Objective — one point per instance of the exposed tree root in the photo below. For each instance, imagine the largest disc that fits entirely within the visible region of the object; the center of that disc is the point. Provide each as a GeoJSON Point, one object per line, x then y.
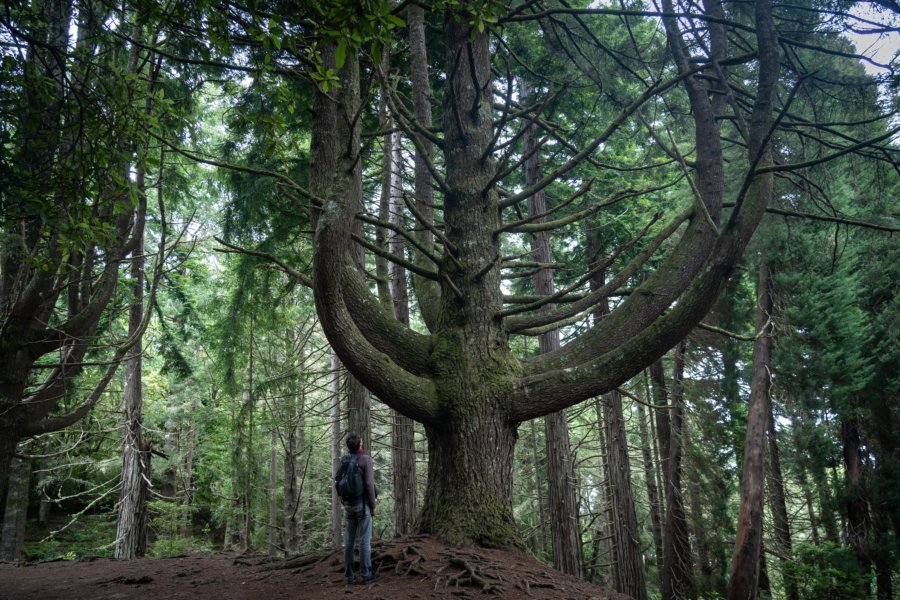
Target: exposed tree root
{"type": "Point", "coordinates": [451, 572]}
{"type": "Point", "coordinates": [299, 562]}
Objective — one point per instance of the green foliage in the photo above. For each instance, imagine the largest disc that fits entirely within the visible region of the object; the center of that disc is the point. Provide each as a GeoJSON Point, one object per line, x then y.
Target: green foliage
{"type": "Point", "coordinates": [169, 523]}
{"type": "Point", "coordinates": [89, 536]}
{"type": "Point", "coordinates": [826, 572]}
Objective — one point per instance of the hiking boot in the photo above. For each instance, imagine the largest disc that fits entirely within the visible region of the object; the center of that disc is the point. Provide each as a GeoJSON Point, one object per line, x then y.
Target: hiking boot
{"type": "Point", "coordinates": [371, 578]}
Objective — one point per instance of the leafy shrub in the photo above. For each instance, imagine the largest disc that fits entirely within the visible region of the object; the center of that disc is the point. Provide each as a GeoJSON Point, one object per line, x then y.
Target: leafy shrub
{"type": "Point", "coordinates": [827, 572]}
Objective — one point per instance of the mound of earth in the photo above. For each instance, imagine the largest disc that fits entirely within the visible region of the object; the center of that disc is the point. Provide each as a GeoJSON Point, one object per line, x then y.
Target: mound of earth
{"type": "Point", "coordinates": [410, 568]}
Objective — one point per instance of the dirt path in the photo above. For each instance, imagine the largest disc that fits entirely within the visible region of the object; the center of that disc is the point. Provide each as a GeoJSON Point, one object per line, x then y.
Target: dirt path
{"type": "Point", "coordinates": [411, 568]}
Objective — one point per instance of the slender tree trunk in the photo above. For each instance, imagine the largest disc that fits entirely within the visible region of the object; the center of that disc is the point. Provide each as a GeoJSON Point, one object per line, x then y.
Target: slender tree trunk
{"type": "Point", "coordinates": [663, 421]}
{"type": "Point", "coordinates": [629, 573]}
{"type": "Point", "coordinates": [272, 492]}
{"type": "Point", "coordinates": [654, 441]}
{"type": "Point", "coordinates": [706, 581]}
{"type": "Point", "coordinates": [677, 576]}
{"type": "Point", "coordinates": [744, 579]}
{"type": "Point", "coordinates": [652, 492]}
{"type": "Point", "coordinates": [858, 519]}
{"type": "Point", "coordinates": [131, 527]}
{"type": "Point", "coordinates": [779, 507]}
{"type": "Point", "coordinates": [810, 511]}
{"type": "Point", "coordinates": [44, 505]}
{"type": "Point", "coordinates": [15, 511]}
{"type": "Point", "coordinates": [187, 480]}
{"type": "Point", "coordinates": [540, 543]}
{"type": "Point", "coordinates": [403, 452]}
{"type": "Point", "coordinates": [293, 471]}
{"type": "Point", "coordinates": [565, 528]}
{"type": "Point", "coordinates": [336, 440]}
{"type": "Point", "coordinates": [606, 518]}
{"type": "Point", "coordinates": [249, 474]}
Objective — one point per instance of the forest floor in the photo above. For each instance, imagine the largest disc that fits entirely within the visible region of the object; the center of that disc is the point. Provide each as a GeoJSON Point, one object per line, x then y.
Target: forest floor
{"type": "Point", "coordinates": [410, 568]}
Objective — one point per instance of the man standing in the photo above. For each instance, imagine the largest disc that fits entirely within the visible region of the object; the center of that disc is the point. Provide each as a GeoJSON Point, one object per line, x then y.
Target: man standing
{"type": "Point", "coordinates": [358, 510]}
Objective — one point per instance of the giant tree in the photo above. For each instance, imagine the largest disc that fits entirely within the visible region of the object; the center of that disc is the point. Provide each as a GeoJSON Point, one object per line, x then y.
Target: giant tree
{"type": "Point", "coordinates": [461, 379]}
{"type": "Point", "coordinates": [705, 94]}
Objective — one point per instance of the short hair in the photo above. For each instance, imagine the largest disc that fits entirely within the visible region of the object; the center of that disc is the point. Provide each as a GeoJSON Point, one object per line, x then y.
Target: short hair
{"type": "Point", "coordinates": [353, 442]}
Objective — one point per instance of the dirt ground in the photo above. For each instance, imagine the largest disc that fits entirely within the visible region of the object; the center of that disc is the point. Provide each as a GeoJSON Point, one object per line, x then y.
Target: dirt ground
{"type": "Point", "coordinates": [410, 568]}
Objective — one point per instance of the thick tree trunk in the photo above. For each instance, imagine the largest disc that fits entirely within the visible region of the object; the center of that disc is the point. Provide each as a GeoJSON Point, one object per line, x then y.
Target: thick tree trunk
{"type": "Point", "coordinates": [778, 507]}
{"type": "Point", "coordinates": [468, 497]}
{"type": "Point", "coordinates": [744, 578]}
{"type": "Point", "coordinates": [131, 528]}
{"type": "Point", "coordinates": [9, 439]}
{"type": "Point", "coordinates": [15, 511]}
{"type": "Point", "coordinates": [358, 411]}
{"type": "Point", "coordinates": [677, 576]}
{"type": "Point", "coordinates": [629, 573]}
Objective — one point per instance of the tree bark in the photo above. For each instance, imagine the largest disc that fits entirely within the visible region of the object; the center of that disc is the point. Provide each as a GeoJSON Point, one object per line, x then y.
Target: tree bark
{"type": "Point", "coordinates": [652, 492]}
{"type": "Point", "coordinates": [565, 527]}
{"type": "Point", "coordinates": [336, 453]}
{"type": "Point", "coordinates": [539, 538]}
{"type": "Point", "coordinates": [294, 471]}
{"type": "Point", "coordinates": [810, 511]}
{"type": "Point", "coordinates": [629, 575]}
{"type": "Point", "coordinates": [464, 472]}
{"type": "Point", "coordinates": [706, 581]}
{"type": "Point", "coordinates": [605, 520]}
{"type": "Point", "coordinates": [403, 452]}
{"type": "Point", "coordinates": [15, 511]}
{"type": "Point", "coordinates": [677, 575]}
{"type": "Point", "coordinates": [628, 569]}
{"type": "Point", "coordinates": [778, 507]}
{"type": "Point", "coordinates": [744, 578]}
{"type": "Point", "coordinates": [131, 527]}
{"type": "Point", "coordinates": [426, 291]}
{"type": "Point", "coordinates": [273, 545]}
{"type": "Point", "coordinates": [857, 505]}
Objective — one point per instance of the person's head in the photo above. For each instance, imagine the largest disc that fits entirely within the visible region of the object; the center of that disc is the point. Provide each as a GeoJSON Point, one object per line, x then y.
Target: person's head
{"type": "Point", "coordinates": [353, 442]}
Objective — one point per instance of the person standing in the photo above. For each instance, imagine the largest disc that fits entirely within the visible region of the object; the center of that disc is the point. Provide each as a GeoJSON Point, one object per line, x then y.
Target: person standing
{"type": "Point", "coordinates": [358, 512]}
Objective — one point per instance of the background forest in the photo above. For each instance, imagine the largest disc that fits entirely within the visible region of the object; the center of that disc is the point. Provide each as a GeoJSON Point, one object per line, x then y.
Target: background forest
{"type": "Point", "coordinates": [167, 384]}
